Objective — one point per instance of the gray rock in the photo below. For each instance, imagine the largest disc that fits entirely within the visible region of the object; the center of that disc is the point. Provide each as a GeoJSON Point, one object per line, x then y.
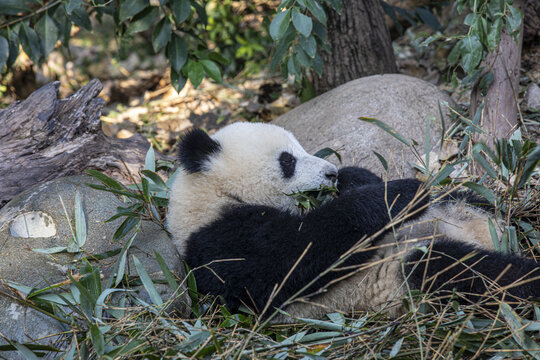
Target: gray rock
{"type": "Point", "coordinates": [37, 219]}
{"type": "Point", "coordinates": [532, 97]}
{"type": "Point", "coordinates": [403, 102]}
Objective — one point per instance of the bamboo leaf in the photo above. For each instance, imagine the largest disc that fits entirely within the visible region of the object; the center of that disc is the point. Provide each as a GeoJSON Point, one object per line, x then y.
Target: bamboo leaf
{"type": "Point", "coordinates": [107, 181]}
{"type": "Point", "coordinates": [381, 159]}
{"type": "Point", "coordinates": [150, 160]}
{"type": "Point", "coordinates": [481, 190]}
{"type": "Point", "coordinates": [171, 280]}
{"type": "Point", "coordinates": [80, 221]}
{"type": "Point", "coordinates": [326, 152]}
{"type": "Point", "coordinates": [386, 128]}
{"type": "Point", "coordinates": [147, 282]}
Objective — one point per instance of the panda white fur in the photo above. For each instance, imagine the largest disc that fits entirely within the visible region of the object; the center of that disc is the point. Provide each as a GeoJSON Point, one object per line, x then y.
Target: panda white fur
{"type": "Point", "coordinates": [236, 227]}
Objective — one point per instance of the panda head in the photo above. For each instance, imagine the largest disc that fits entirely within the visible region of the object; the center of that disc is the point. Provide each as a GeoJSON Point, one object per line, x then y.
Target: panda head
{"type": "Point", "coordinates": [243, 163]}
{"type": "Point", "coordinates": [255, 163]}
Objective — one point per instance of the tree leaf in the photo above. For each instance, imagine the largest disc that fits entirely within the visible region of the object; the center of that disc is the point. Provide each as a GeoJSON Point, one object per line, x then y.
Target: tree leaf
{"type": "Point", "coordinates": [472, 53]}
{"type": "Point", "coordinates": [178, 81]}
{"type": "Point", "coordinates": [428, 18]}
{"type": "Point", "coordinates": [48, 34]}
{"type": "Point", "coordinates": [454, 55]}
{"type": "Point", "coordinates": [309, 44]}
{"type": "Point", "coordinates": [316, 10]}
{"type": "Point", "coordinates": [279, 24]}
{"type": "Point", "coordinates": [13, 7]}
{"type": "Point", "coordinates": [63, 22]}
{"type": "Point", "coordinates": [195, 73]}
{"type": "Point", "coordinates": [513, 20]}
{"type": "Point", "coordinates": [281, 48]}
{"type": "Point", "coordinates": [212, 70]}
{"type": "Point", "coordinates": [301, 22]}
{"type": "Point", "coordinates": [177, 53]}
{"type": "Point", "coordinates": [30, 42]}
{"type": "Point", "coordinates": [143, 20]}
{"type": "Point", "coordinates": [304, 60]}
{"type": "Point", "coordinates": [129, 8]}
{"type": "Point", "coordinates": [318, 64]}
{"type": "Point", "coordinates": [162, 34]}
{"type": "Point", "coordinates": [181, 10]}
{"type": "Point", "coordinates": [496, 8]}
{"type": "Point", "coordinates": [79, 16]}
{"type": "Point", "coordinates": [72, 4]}
{"type": "Point", "coordinates": [4, 52]}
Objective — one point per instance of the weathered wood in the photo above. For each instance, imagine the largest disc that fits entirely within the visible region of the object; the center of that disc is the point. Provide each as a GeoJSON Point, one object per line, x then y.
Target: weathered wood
{"type": "Point", "coordinates": [43, 137]}
{"type": "Point", "coordinates": [360, 45]}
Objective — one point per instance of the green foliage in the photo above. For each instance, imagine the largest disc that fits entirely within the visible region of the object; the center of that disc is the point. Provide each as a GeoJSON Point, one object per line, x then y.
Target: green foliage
{"type": "Point", "coordinates": [414, 16]}
{"type": "Point", "coordinates": [485, 21]}
{"type": "Point", "coordinates": [199, 38]}
{"type": "Point", "coordinates": [299, 31]}
{"type": "Point", "coordinates": [178, 26]}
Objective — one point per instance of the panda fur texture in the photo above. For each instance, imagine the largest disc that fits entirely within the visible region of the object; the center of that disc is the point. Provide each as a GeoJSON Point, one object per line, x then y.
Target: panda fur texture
{"type": "Point", "coordinates": [236, 227]}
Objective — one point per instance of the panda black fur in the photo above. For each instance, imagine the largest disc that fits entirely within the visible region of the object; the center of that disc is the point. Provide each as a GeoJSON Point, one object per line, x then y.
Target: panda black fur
{"type": "Point", "coordinates": [235, 225]}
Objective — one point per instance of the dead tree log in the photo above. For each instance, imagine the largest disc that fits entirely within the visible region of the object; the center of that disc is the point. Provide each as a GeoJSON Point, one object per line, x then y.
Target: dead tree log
{"type": "Point", "coordinates": [43, 137]}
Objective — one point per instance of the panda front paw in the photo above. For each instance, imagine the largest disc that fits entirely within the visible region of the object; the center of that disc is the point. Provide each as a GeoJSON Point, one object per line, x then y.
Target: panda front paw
{"type": "Point", "coordinates": [351, 177]}
{"type": "Point", "coordinates": [407, 193]}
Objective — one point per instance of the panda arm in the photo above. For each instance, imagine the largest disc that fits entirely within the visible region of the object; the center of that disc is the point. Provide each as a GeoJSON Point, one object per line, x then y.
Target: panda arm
{"type": "Point", "coordinates": [457, 266]}
{"type": "Point", "coordinates": [351, 177]}
{"type": "Point", "coordinates": [257, 246]}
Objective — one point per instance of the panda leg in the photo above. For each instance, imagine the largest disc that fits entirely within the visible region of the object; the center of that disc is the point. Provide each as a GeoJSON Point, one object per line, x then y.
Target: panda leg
{"type": "Point", "coordinates": [476, 273]}
{"type": "Point", "coordinates": [456, 221]}
{"type": "Point", "coordinates": [377, 286]}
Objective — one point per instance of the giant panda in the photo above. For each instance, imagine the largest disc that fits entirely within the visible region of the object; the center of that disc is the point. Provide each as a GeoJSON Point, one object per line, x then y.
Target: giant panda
{"type": "Point", "coordinates": [234, 222]}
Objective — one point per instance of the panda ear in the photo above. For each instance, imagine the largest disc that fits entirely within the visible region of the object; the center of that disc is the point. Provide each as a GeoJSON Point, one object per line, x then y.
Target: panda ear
{"type": "Point", "coordinates": [195, 149]}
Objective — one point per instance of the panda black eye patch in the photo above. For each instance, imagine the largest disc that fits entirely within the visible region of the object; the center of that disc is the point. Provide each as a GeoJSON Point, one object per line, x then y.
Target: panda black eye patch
{"type": "Point", "coordinates": [288, 163]}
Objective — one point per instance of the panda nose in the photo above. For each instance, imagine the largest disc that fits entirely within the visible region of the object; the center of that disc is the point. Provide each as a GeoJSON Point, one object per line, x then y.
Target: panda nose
{"type": "Point", "coordinates": [331, 175]}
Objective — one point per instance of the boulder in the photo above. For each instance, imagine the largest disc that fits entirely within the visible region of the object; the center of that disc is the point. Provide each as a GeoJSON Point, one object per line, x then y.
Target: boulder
{"type": "Point", "coordinates": [405, 103]}
{"type": "Point", "coordinates": [36, 219]}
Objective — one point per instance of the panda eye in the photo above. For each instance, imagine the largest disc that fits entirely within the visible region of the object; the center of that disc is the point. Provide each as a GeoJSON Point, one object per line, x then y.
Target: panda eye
{"type": "Point", "coordinates": [288, 163]}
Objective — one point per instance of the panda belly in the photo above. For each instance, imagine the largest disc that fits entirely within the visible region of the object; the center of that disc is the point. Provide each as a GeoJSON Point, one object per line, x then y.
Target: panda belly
{"type": "Point", "coordinates": [380, 284]}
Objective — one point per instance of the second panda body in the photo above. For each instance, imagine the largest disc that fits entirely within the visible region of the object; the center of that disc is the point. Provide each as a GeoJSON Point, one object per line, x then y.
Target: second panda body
{"type": "Point", "coordinates": [233, 221]}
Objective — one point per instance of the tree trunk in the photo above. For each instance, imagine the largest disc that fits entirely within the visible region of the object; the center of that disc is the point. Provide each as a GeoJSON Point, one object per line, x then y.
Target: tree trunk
{"type": "Point", "coordinates": [360, 45]}
{"type": "Point", "coordinates": [499, 116]}
{"type": "Point", "coordinates": [43, 138]}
